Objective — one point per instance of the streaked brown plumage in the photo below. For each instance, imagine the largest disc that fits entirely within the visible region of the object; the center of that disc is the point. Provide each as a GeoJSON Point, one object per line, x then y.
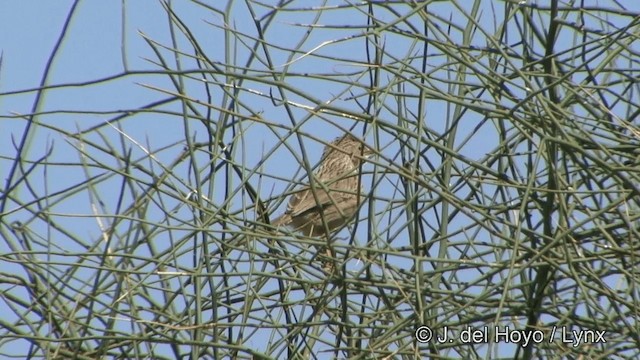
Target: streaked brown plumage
{"type": "Point", "coordinates": [335, 186]}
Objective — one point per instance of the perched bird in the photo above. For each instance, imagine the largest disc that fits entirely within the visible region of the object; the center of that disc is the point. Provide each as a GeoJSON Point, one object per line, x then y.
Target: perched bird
{"type": "Point", "coordinates": [333, 197]}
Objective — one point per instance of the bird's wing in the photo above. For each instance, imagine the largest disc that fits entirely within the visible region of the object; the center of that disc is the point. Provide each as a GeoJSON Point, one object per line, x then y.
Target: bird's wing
{"type": "Point", "coordinates": [304, 202]}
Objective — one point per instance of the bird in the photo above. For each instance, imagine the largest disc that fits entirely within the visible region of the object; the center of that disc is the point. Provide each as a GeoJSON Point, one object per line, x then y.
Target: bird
{"type": "Point", "coordinates": [333, 197]}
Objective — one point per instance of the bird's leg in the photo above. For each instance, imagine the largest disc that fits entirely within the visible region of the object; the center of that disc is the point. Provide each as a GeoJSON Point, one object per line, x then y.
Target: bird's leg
{"type": "Point", "coordinates": [328, 256]}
